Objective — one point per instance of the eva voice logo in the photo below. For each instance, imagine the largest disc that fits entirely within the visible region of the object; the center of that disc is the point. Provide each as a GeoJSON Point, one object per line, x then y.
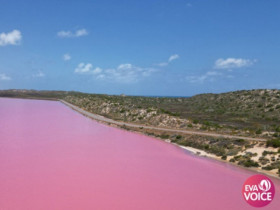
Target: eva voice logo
{"type": "Point", "coordinates": [258, 190]}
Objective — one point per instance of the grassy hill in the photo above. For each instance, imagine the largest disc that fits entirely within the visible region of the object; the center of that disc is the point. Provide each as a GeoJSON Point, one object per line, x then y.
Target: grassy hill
{"type": "Point", "coordinates": [254, 108]}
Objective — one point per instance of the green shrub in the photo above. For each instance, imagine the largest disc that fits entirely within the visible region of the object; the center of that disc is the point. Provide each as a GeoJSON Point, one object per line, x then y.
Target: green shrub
{"type": "Point", "coordinates": [259, 131]}
{"type": "Point", "coordinates": [164, 136]}
{"type": "Point", "coordinates": [239, 141]}
{"type": "Point", "coordinates": [149, 110]}
{"type": "Point", "coordinates": [224, 157]}
{"type": "Point", "coordinates": [275, 134]}
{"type": "Point", "coordinates": [273, 143]}
{"type": "Point", "coordinates": [207, 123]}
{"type": "Point", "coordinates": [217, 150]}
{"type": "Point", "coordinates": [268, 168]}
{"type": "Point", "coordinates": [248, 163]}
{"type": "Point", "coordinates": [169, 113]}
{"type": "Point", "coordinates": [265, 152]}
{"type": "Point", "coordinates": [195, 121]}
{"type": "Point", "coordinates": [237, 157]}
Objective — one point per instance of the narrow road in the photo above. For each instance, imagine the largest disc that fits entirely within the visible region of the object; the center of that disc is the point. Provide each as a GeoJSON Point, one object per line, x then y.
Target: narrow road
{"type": "Point", "coordinates": [108, 120]}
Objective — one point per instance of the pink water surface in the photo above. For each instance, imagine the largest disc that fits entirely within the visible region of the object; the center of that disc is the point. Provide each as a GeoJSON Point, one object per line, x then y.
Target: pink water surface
{"type": "Point", "coordinates": [54, 158]}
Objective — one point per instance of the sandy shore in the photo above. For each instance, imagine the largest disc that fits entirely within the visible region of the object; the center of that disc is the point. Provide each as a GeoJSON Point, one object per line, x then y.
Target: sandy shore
{"type": "Point", "coordinates": [258, 150]}
{"type": "Point", "coordinates": [198, 152]}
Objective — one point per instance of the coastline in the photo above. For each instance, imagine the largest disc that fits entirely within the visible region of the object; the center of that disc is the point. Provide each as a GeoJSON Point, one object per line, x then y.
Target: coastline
{"type": "Point", "coordinates": [31, 98]}
{"type": "Point", "coordinates": [194, 151]}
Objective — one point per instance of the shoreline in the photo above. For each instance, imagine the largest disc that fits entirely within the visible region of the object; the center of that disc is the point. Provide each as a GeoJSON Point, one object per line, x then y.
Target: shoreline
{"type": "Point", "coordinates": [192, 150]}
{"type": "Point", "coordinates": [216, 158]}
{"type": "Point", "coordinates": [31, 98]}
{"type": "Point", "coordinates": [117, 124]}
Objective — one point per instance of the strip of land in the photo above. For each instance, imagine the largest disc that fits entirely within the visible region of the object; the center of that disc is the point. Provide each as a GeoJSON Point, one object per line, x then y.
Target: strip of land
{"type": "Point", "coordinates": [107, 120]}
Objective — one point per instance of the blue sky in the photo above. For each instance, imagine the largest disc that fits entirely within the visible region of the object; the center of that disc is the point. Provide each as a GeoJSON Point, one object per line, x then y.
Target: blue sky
{"type": "Point", "coordinates": [159, 47]}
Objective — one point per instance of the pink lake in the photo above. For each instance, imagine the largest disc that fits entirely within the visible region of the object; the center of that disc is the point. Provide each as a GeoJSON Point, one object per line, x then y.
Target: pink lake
{"type": "Point", "coordinates": [53, 158]}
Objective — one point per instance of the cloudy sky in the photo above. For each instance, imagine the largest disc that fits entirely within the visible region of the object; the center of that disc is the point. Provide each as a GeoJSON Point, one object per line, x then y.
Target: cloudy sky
{"type": "Point", "coordinates": [160, 47]}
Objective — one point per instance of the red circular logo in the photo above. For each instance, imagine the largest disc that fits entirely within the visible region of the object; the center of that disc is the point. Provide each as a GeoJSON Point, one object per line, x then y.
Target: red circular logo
{"type": "Point", "coordinates": [258, 190]}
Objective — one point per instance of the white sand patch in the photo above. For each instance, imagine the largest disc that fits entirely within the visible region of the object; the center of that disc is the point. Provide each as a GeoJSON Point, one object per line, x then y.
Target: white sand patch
{"type": "Point", "coordinates": [198, 151]}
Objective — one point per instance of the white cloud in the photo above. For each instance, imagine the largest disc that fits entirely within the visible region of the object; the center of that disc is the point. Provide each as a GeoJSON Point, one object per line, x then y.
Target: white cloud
{"type": "Point", "coordinates": [4, 77]}
{"type": "Point", "coordinates": [11, 38]}
{"type": "Point", "coordinates": [125, 66]}
{"type": "Point", "coordinates": [170, 59]}
{"type": "Point", "coordinates": [84, 68]}
{"type": "Point", "coordinates": [127, 73]}
{"type": "Point", "coordinates": [173, 57]}
{"type": "Point", "coordinates": [163, 64]}
{"type": "Point", "coordinates": [38, 74]}
{"type": "Point", "coordinates": [97, 70]}
{"type": "Point", "coordinates": [66, 57]}
{"type": "Point", "coordinates": [210, 75]}
{"type": "Point", "coordinates": [81, 32]}
{"type": "Point", "coordinates": [231, 63]}
{"type": "Point", "coordinates": [100, 76]}
{"type": "Point", "coordinates": [228, 64]}
{"type": "Point", "coordinates": [70, 34]}
{"type": "Point", "coordinates": [64, 34]}
{"type": "Point", "coordinates": [124, 73]}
